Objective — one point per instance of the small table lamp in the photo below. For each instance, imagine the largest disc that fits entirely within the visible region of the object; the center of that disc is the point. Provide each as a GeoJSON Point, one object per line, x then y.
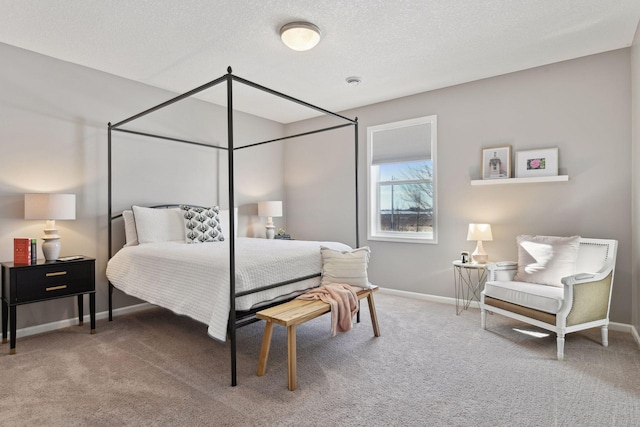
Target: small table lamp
{"type": "Point", "coordinates": [270, 209]}
{"type": "Point", "coordinates": [479, 232]}
{"type": "Point", "coordinates": [50, 207]}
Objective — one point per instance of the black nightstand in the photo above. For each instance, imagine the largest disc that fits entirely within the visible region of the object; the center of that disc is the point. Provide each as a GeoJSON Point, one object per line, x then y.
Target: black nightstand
{"type": "Point", "coordinates": [43, 281]}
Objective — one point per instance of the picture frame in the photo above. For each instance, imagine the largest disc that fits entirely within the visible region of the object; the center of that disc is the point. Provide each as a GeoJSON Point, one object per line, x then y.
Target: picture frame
{"type": "Point", "coordinates": [496, 162]}
{"type": "Point", "coordinates": [532, 163]}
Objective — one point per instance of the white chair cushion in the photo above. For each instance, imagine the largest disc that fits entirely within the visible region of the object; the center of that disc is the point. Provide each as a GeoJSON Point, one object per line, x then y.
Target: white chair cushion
{"type": "Point", "coordinates": [538, 297]}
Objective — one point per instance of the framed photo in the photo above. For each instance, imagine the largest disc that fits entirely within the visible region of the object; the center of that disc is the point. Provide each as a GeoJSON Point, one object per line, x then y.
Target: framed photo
{"type": "Point", "coordinates": [496, 162]}
{"type": "Point", "coordinates": [542, 162]}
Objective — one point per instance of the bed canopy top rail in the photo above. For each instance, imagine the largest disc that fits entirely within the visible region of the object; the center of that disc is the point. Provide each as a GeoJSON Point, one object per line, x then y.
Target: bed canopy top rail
{"type": "Point", "coordinates": [173, 100]}
{"type": "Point", "coordinates": [294, 136]}
{"type": "Point", "coordinates": [229, 78]}
{"type": "Point", "coordinates": [169, 138]}
{"type": "Point", "coordinates": [289, 98]}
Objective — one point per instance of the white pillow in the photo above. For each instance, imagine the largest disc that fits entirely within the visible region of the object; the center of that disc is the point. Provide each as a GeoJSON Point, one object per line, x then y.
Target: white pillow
{"type": "Point", "coordinates": [159, 225]}
{"type": "Point", "coordinates": [546, 259]}
{"type": "Point", "coordinates": [130, 232]}
{"type": "Point", "coordinates": [348, 267]}
{"type": "Point", "coordinates": [201, 224]}
{"type": "Point", "coordinates": [224, 221]}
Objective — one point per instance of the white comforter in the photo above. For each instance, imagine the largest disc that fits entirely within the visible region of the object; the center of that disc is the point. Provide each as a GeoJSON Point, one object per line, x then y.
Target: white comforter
{"type": "Point", "coordinates": [193, 279]}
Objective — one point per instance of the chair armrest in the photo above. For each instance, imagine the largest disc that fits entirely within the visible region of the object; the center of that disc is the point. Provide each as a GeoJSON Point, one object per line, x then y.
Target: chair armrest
{"type": "Point", "coordinates": [501, 271]}
{"type": "Point", "coordinates": [580, 278]}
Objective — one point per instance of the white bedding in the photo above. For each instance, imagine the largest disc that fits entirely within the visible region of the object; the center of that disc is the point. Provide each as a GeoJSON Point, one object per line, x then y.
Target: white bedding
{"type": "Point", "coordinates": [193, 279]}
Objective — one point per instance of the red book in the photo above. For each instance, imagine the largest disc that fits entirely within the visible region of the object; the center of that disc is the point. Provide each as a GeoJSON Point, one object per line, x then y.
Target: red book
{"type": "Point", "coordinates": [21, 251]}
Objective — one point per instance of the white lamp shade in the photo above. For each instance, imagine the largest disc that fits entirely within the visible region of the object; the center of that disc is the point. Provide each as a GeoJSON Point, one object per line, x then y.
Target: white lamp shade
{"type": "Point", "coordinates": [49, 206]}
{"type": "Point", "coordinates": [270, 208]}
{"type": "Point", "coordinates": [480, 232]}
{"type": "Point", "coordinates": [300, 36]}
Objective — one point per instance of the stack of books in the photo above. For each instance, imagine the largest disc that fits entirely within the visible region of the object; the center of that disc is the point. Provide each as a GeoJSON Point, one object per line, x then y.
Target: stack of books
{"type": "Point", "coordinates": [24, 251]}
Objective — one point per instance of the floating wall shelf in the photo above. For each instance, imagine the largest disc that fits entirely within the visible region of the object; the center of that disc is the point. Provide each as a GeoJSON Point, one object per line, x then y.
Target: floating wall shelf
{"type": "Point", "coordinates": [499, 181]}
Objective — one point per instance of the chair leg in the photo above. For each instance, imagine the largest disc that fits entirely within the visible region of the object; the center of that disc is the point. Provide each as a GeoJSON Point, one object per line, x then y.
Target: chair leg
{"type": "Point", "coordinates": [560, 346]}
{"type": "Point", "coordinates": [483, 318]}
{"type": "Point", "coordinates": [604, 331]}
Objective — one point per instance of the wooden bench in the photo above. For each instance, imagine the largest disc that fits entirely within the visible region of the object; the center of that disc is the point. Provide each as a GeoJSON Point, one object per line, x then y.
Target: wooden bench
{"type": "Point", "coordinates": [294, 313]}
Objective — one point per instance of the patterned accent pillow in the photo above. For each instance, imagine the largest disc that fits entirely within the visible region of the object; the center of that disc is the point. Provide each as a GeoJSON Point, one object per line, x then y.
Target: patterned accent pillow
{"type": "Point", "coordinates": [202, 224]}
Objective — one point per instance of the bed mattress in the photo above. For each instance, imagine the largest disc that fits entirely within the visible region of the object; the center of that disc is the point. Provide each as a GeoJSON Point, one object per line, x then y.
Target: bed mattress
{"type": "Point", "coordinates": [193, 279]}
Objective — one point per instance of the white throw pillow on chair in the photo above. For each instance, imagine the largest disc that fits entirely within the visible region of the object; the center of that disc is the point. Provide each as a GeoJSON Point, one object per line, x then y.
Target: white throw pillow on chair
{"type": "Point", "coordinates": [546, 259]}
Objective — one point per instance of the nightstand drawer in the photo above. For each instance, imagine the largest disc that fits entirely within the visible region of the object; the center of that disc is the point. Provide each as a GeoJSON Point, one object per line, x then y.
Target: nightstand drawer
{"type": "Point", "coordinates": [53, 281]}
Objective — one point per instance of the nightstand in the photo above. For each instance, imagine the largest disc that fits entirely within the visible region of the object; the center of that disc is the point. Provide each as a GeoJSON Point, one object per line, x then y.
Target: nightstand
{"type": "Point", "coordinates": [43, 281]}
{"type": "Point", "coordinates": [468, 279]}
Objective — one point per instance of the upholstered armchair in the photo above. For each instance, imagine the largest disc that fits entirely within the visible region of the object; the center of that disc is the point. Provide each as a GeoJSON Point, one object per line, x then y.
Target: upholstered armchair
{"type": "Point", "coordinates": [561, 284]}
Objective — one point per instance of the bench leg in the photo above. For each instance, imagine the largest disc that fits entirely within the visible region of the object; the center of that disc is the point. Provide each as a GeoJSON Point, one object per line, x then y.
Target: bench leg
{"type": "Point", "coordinates": [291, 356]}
{"type": "Point", "coordinates": [264, 350]}
{"type": "Point", "coordinates": [374, 316]}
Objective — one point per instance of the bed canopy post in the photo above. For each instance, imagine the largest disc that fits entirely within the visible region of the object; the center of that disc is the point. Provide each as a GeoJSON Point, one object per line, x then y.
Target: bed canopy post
{"type": "Point", "coordinates": [110, 215]}
{"type": "Point", "coordinates": [355, 139]}
{"type": "Point", "coordinates": [232, 227]}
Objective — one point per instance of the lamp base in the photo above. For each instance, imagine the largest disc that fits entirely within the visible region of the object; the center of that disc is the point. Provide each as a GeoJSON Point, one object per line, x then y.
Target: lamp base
{"type": "Point", "coordinates": [271, 231]}
{"type": "Point", "coordinates": [51, 248]}
{"type": "Point", "coordinates": [479, 255]}
{"type": "Point", "coordinates": [480, 259]}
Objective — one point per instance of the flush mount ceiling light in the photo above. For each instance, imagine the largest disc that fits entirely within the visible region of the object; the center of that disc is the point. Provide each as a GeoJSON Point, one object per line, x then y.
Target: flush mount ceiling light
{"type": "Point", "coordinates": [300, 36]}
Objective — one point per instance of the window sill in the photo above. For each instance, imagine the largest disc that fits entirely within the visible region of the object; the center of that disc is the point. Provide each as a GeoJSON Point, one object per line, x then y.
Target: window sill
{"type": "Point", "coordinates": [402, 239]}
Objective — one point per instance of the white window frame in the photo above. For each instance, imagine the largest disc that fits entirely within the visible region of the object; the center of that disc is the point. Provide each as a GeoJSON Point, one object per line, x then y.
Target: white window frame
{"type": "Point", "coordinates": [373, 185]}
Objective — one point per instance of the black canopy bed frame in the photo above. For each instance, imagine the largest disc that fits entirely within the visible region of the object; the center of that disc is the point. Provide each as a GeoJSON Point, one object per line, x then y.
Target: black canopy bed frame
{"type": "Point", "coordinates": [236, 318]}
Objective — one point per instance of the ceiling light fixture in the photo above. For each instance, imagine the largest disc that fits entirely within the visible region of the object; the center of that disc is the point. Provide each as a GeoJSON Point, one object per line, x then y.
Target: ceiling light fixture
{"type": "Point", "coordinates": [300, 36]}
{"type": "Point", "coordinates": [353, 81]}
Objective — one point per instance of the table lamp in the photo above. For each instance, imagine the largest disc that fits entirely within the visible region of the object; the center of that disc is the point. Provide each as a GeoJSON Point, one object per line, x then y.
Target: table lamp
{"type": "Point", "coordinates": [270, 209]}
{"type": "Point", "coordinates": [480, 233]}
{"type": "Point", "coordinates": [50, 207]}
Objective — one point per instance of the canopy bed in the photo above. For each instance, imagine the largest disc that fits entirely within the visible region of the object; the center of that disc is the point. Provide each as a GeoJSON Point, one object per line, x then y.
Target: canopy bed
{"type": "Point", "coordinates": [248, 286]}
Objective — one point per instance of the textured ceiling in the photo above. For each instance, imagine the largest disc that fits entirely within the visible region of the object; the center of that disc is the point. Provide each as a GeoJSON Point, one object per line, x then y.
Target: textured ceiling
{"type": "Point", "coordinates": [398, 48]}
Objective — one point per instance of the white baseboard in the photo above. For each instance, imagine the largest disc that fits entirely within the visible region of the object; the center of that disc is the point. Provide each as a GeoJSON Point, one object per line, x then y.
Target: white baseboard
{"type": "Point", "coordinates": [38, 329]}
{"type": "Point", "coordinates": [636, 337]}
{"type": "Point", "coordinates": [613, 326]}
{"type": "Point", "coordinates": [426, 297]}
{"type": "Point", "coordinates": [47, 327]}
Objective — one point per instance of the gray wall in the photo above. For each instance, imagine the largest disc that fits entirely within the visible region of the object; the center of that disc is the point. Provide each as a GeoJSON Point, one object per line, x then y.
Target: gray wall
{"type": "Point", "coordinates": [53, 138]}
{"type": "Point", "coordinates": [55, 113]}
{"type": "Point", "coordinates": [635, 106]}
{"type": "Point", "coordinates": [580, 106]}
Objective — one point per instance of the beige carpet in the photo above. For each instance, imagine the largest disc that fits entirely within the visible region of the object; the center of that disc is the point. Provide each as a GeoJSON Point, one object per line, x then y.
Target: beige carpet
{"type": "Point", "coordinates": [429, 368]}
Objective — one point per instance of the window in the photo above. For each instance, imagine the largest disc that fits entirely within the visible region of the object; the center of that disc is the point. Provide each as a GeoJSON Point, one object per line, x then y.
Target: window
{"type": "Point", "coordinates": [402, 181]}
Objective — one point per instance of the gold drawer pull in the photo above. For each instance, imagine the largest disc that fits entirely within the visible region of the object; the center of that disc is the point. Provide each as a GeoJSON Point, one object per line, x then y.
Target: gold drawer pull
{"type": "Point", "coordinates": [57, 273]}
{"type": "Point", "coordinates": [56, 288]}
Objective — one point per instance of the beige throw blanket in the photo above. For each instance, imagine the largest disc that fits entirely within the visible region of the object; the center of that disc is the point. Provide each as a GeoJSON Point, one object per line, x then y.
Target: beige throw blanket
{"type": "Point", "coordinates": [343, 299]}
